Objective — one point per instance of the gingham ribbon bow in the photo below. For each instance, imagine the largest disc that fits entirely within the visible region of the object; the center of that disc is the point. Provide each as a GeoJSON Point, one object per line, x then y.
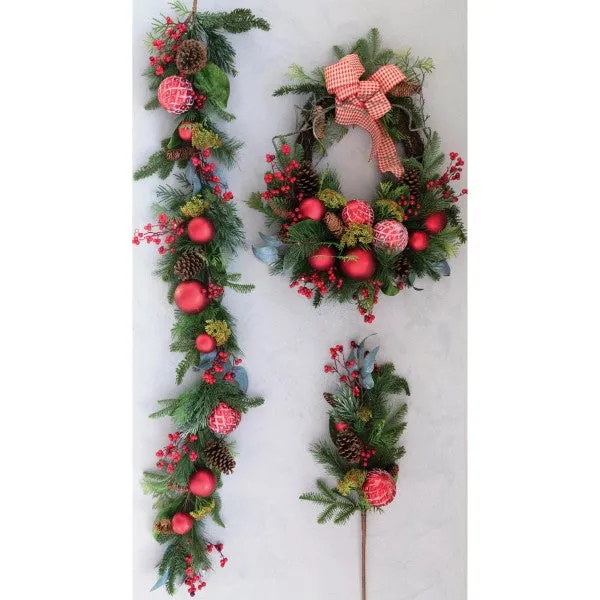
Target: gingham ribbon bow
{"type": "Point", "coordinates": [363, 103]}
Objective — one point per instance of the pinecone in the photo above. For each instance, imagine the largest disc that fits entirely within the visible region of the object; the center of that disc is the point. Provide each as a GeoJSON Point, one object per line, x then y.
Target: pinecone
{"type": "Point", "coordinates": [349, 445]}
{"type": "Point", "coordinates": [191, 57]}
{"type": "Point", "coordinates": [402, 268]}
{"type": "Point", "coordinates": [217, 456]}
{"type": "Point", "coordinates": [183, 152]}
{"type": "Point", "coordinates": [329, 398]}
{"type": "Point", "coordinates": [393, 470]}
{"type": "Point", "coordinates": [188, 265]}
{"type": "Point", "coordinates": [318, 122]}
{"type": "Point", "coordinates": [307, 180]}
{"type": "Point", "coordinates": [334, 224]}
{"type": "Point", "coordinates": [412, 178]}
{"type": "Point", "coordinates": [405, 89]}
{"type": "Point", "coordinates": [163, 526]}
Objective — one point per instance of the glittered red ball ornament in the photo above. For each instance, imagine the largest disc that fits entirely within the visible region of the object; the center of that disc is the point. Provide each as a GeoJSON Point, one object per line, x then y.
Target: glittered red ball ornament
{"type": "Point", "coordinates": [201, 230]}
{"type": "Point", "coordinates": [203, 483]}
{"type": "Point", "coordinates": [357, 211]}
{"type": "Point", "coordinates": [418, 241]}
{"type": "Point", "coordinates": [223, 419]}
{"type": "Point", "coordinates": [312, 208]}
{"type": "Point", "coordinates": [436, 221]}
{"type": "Point", "coordinates": [185, 131]}
{"type": "Point", "coordinates": [176, 94]}
{"type": "Point", "coordinates": [341, 426]}
{"type": "Point", "coordinates": [361, 267]}
{"type": "Point", "coordinates": [391, 235]}
{"type": "Point", "coordinates": [379, 487]}
{"type": "Point", "coordinates": [205, 343]}
{"type": "Point", "coordinates": [322, 259]}
{"type": "Point", "coordinates": [181, 523]}
{"type": "Point", "coordinates": [191, 297]}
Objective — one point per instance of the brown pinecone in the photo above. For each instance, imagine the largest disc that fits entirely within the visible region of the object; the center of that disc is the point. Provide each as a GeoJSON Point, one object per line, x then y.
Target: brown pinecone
{"type": "Point", "coordinates": [183, 152]}
{"type": "Point", "coordinates": [412, 178]}
{"type": "Point", "coordinates": [405, 89]}
{"type": "Point", "coordinates": [307, 180]}
{"type": "Point", "coordinates": [393, 470]}
{"type": "Point", "coordinates": [191, 57]}
{"type": "Point", "coordinates": [163, 526]}
{"type": "Point", "coordinates": [318, 120]}
{"type": "Point", "coordinates": [217, 456]}
{"type": "Point", "coordinates": [349, 445]}
{"type": "Point", "coordinates": [329, 398]}
{"type": "Point", "coordinates": [334, 224]}
{"type": "Point", "coordinates": [402, 268]}
{"type": "Point", "coordinates": [188, 265]}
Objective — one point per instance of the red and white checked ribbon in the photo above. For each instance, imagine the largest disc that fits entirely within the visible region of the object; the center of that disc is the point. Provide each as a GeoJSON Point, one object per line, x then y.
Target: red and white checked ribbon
{"type": "Point", "coordinates": [363, 103]}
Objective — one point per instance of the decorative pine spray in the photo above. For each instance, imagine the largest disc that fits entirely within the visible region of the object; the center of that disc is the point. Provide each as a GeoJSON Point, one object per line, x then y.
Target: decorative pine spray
{"type": "Point", "coordinates": [364, 449]}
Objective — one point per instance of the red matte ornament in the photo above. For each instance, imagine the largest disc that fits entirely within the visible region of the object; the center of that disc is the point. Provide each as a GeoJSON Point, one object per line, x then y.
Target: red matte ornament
{"type": "Point", "coordinates": [360, 268]}
{"type": "Point", "coordinates": [203, 483]}
{"type": "Point", "coordinates": [185, 131]}
{"type": "Point", "coordinates": [322, 259]}
{"type": "Point", "coordinates": [182, 523]}
{"type": "Point", "coordinates": [205, 343]}
{"type": "Point", "coordinates": [436, 221]}
{"type": "Point", "coordinates": [191, 297]}
{"type": "Point", "coordinates": [418, 241]}
{"type": "Point", "coordinates": [312, 208]}
{"type": "Point", "coordinates": [201, 230]}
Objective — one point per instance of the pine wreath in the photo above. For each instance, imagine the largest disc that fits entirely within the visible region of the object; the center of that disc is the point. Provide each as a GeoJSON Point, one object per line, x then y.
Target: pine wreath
{"type": "Point", "coordinates": [197, 229]}
{"type": "Point", "coordinates": [365, 430]}
{"type": "Point", "coordinates": [343, 248]}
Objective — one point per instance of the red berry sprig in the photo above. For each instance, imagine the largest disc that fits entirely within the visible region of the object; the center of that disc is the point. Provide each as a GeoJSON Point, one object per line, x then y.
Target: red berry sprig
{"type": "Point", "coordinates": [174, 451]}
{"type": "Point", "coordinates": [217, 369]}
{"type": "Point", "coordinates": [367, 299]}
{"type": "Point", "coordinates": [193, 578]}
{"type": "Point", "coordinates": [166, 44]}
{"type": "Point", "coordinates": [163, 234]}
{"type": "Point", "coordinates": [452, 173]}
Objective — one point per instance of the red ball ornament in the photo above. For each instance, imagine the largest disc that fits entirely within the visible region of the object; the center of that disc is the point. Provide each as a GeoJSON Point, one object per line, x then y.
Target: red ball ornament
{"type": "Point", "coordinates": [312, 208]}
{"type": "Point", "coordinates": [391, 235]}
{"type": "Point", "coordinates": [361, 267]}
{"type": "Point", "coordinates": [191, 297]}
{"type": "Point", "coordinates": [357, 211]}
{"type": "Point", "coordinates": [341, 426]}
{"type": "Point", "coordinates": [201, 230]}
{"type": "Point", "coordinates": [185, 131]}
{"type": "Point", "coordinates": [223, 419]}
{"type": "Point", "coordinates": [322, 259]}
{"type": "Point", "coordinates": [205, 343]}
{"type": "Point", "coordinates": [176, 94]}
{"type": "Point", "coordinates": [203, 483]}
{"type": "Point", "coordinates": [436, 221]}
{"type": "Point", "coordinates": [379, 487]}
{"type": "Point", "coordinates": [418, 241]}
{"type": "Point", "coordinates": [182, 523]}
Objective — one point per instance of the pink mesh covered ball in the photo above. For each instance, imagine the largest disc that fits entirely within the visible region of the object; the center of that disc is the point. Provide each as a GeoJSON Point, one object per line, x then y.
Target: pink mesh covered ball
{"type": "Point", "coordinates": [223, 419]}
{"type": "Point", "coordinates": [176, 94]}
{"type": "Point", "coordinates": [358, 211]}
{"type": "Point", "coordinates": [391, 235]}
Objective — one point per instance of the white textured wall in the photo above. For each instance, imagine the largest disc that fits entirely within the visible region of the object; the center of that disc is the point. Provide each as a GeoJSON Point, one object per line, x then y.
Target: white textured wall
{"type": "Point", "coordinates": [417, 549]}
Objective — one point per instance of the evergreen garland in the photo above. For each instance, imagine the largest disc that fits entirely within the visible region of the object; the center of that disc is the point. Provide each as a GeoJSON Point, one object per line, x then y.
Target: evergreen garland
{"type": "Point", "coordinates": [207, 411]}
{"type": "Point", "coordinates": [416, 225]}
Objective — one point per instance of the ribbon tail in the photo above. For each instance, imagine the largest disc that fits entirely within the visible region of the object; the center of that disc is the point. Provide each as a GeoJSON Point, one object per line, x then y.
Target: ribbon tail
{"type": "Point", "coordinates": [387, 157]}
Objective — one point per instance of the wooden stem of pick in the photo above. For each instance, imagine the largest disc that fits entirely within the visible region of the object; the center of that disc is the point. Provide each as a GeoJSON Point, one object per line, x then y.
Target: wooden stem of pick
{"type": "Point", "coordinates": [194, 8]}
{"type": "Point", "coordinates": [363, 527]}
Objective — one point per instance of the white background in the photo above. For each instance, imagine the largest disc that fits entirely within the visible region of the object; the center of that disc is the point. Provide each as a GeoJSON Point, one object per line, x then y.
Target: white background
{"type": "Point", "coordinates": [417, 549]}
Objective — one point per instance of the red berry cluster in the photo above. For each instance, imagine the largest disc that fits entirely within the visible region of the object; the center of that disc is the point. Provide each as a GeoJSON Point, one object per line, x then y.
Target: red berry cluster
{"type": "Point", "coordinates": [280, 180]}
{"type": "Point", "coordinates": [366, 455]}
{"type": "Point", "coordinates": [219, 548]}
{"type": "Point", "coordinates": [206, 172]}
{"type": "Point", "coordinates": [173, 452]}
{"type": "Point", "coordinates": [193, 579]}
{"type": "Point", "coordinates": [344, 368]}
{"type": "Point", "coordinates": [215, 291]}
{"type": "Point", "coordinates": [163, 234]}
{"type": "Point", "coordinates": [199, 100]}
{"type": "Point", "coordinates": [368, 298]}
{"type": "Point", "coordinates": [452, 173]}
{"type": "Point", "coordinates": [217, 367]}
{"type": "Point", "coordinates": [316, 280]}
{"type": "Point", "coordinates": [410, 205]}
{"type": "Point", "coordinates": [167, 45]}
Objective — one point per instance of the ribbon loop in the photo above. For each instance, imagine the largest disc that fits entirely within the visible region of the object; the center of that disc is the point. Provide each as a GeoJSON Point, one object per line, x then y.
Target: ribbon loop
{"type": "Point", "coordinates": [363, 103]}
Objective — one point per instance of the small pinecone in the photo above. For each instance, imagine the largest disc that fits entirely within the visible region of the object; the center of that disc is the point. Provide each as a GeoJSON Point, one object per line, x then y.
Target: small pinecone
{"type": "Point", "coordinates": [405, 89]}
{"type": "Point", "coordinates": [349, 445]}
{"type": "Point", "coordinates": [318, 117]}
{"type": "Point", "coordinates": [307, 180]}
{"type": "Point", "coordinates": [163, 526]}
{"type": "Point", "coordinates": [191, 57]}
{"type": "Point", "coordinates": [329, 398]}
{"type": "Point", "coordinates": [393, 470]}
{"type": "Point", "coordinates": [183, 152]}
{"type": "Point", "coordinates": [217, 456]}
{"type": "Point", "coordinates": [412, 178]}
{"type": "Point", "coordinates": [334, 224]}
{"type": "Point", "coordinates": [402, 268]}
{"type": "Point", "coordinates": [188, 265]}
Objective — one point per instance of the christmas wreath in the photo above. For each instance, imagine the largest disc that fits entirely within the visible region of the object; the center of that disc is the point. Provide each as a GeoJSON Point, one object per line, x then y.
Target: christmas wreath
{"type": "Point", "coordinates": [197, 230]}
{"type": "Point", "coordinates": [351, 249]}
{"type": "Point", "coordinates": [365, 430]}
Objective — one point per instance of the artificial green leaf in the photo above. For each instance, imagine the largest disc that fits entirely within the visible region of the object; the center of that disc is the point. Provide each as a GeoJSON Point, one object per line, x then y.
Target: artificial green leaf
{"type": "Point", "coordinates": [390, 289]}
{"type": "Point", "coordinates": [213, 81]}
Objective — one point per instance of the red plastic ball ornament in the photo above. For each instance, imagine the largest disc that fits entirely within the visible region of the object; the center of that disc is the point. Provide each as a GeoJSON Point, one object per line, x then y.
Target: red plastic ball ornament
{"type": "Point", "coordinates": [201, 230]}
{"type": "Point", "coordinates": [322, 259]}
{"type": "Point", "coordinates": [182, 523]}
{"type": "Point", "coordinates": [361, 267]}
{"type": "Point", "coordinates": [191, 297]}
{"type": "Point", "coordinates": [391, 235]}
{"type": "Point", "coordinates": [357, 211]}
{"type": "Point", "coordinates": [205, 343]}
{"type": "Point", "coordinates": [223, 419]}
{"type": "Point", "coordinates": [203, 483]}
{"type": "Point", "coordinates": [436, 221]}
{"type": "Point", "coordinates": [379, 488]}
{"type": "Point", "coordinates": [312, 208]}
{"type": "Point", "coordinates": [418, 241]}
{"type": "Point", "coordinates": [176, 94]}
{"type": "Point", "coordinates": [185, 131]}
